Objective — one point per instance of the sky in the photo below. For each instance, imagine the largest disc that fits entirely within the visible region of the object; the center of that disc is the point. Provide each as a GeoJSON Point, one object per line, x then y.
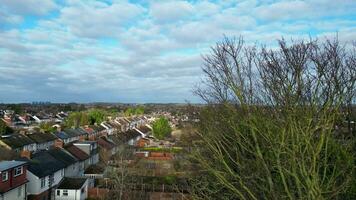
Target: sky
{"type": "Point", "coordinates": [147, 51]}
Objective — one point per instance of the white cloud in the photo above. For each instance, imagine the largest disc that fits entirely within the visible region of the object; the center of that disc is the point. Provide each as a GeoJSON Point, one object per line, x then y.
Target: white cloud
{"type": "Point", "coordinates": [99, 19]}
{"type": "Point", "coordinates": [24, 7]}
{"type": "Point", "coordinates": [168, 11]}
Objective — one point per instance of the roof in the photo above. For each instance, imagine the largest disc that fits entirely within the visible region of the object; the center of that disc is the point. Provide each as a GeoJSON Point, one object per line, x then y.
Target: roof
{"type": "Point", "coordinates": [72, 132]}
{"type": "Point", "coordinates": [97, 128]}
{"type": "Point", "coordinates": [72, 183]}
{"type": "Point", "coordinates": [16, 140]}
{"type": "Point", "coordinates": [62, 135]}
{"type": "Point", "coordinates": [42, 137]}
{"type": "Point", "coordinates": [144, 129]}
{"type": "Point", "coordinates": [76, 152]}
{"type": "Point", "coordinates": [63, 156]}
{"type": "Point", "coordinates": [81, 131]}
{"type": "Point", "coordinates": [43, 164]}
{"type": "Point", "coordinates": [5, 165]}
{"type": "Point", "coordinates": [89, 130]}
{"type": "Point", "coordinates": [104, 143]}
{"type": "Point", "coordinates": [94, 169]}
{"type": "Point", "coordinates": [115, 139]}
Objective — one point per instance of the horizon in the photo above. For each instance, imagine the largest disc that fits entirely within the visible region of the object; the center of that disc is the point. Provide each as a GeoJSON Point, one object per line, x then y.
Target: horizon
{"type": "Point", "coordinates": [140, 51]}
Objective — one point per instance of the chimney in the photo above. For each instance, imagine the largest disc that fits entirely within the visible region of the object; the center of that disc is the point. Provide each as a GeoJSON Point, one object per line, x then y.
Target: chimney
{"type": "Point", "coordinates": [58, 143]}
{"type": "Point", "coordinates": [25, 154]}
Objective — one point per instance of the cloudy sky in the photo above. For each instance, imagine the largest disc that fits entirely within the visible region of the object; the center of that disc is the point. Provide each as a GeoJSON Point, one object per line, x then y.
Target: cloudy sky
{"type": "Point", "coordinates": [140, 51]}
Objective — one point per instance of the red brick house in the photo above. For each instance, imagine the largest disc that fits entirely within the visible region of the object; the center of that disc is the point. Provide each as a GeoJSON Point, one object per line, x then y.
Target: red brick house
{"type": "Point", "coordinates": [13, 180]}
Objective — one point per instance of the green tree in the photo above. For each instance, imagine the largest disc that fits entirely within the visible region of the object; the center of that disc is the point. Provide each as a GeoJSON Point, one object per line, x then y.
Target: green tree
{"type": "Point", "coordinates": [76, 119]}
{"type": "Point", "coordinates": [4, 129]}
{"type": "Point", "coordinates": [268, 127]}
{"type": "Point", "coordinates": [128, 112]}
{"type": "Point", "coordinates": [47, 127]}
{"type": "Point", "coordinates": [161, 128]}
{"type": "Point", "coordinates": [139, 110]}
{"type": "Point", "coordinates": [96, 116]}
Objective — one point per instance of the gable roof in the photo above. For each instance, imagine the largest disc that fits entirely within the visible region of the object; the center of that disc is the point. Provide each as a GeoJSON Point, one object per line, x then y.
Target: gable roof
{"type": "Point", "coordinates": [5, 165]}
{"type": "Point", "coordinates": [16, 140]}
{"type": "Point", "coordinates": [42, 137]}
{"type": "Point", "coordinates": [62, 135]}
{"type": "Point", "coordinates": [104, 143]}
{"type": "Point", "coordinates": [76, 152]}
{"type": "Point", "coordinates": [144, 129]}
{"type": "Point", "coordinates": [72, 183]}
{"type": "Point", "coordinates": [71, 132]}
{"type": "Point", "coordinates": [63, 156]}
{"type": "Point", "coordinates": [43, 164]}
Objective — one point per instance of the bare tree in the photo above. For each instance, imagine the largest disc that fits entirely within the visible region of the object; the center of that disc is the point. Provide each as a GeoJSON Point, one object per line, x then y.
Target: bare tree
{"type": "Point", "coordinates": [269, 124]}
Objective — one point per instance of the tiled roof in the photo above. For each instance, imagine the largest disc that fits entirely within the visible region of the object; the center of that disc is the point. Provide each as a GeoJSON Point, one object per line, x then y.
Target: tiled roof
{"type": "Point", "coordinates": [42, 137]}
{"type": "Point", "coordinates": [62, 135]}
{"type": "Point", "coordinates": [144, 129]}
{"type": "Point", "coordinates": [76, 152]}
{"type": "Point", "coordinates": [63, 156]}
{"type": "Point", "coordinates": [94, 169]}
{"type": "Point", "coordinates": [43, 164]}
{"type": "Point", "coordinates": [16, 140]}
{"type": "Point", "coordinates": [72, 183]}
{"type": "Point", "coordinates": [5, 165]}
{"type": "Point", "coordinates": [104, 143]}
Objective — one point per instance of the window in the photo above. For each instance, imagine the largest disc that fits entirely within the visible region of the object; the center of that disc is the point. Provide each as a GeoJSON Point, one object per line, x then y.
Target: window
{"type": "Point", "coordinates": [43, 182]}
{"type": "Point", "coordinates": [83, 190]}
{"type": "Point", "coordinates": [65, 192]}
{"type": "Point", "coordinates": [4, 176]}
{"type": "Point", "coordinates": [19, 192]}
{"type": "Point", "coordinates": [58, 193]}
{"type": "Point", "coordinates": [18, 171]}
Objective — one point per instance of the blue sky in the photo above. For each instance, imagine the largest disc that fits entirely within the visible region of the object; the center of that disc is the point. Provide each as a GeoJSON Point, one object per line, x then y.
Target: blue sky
{"type": "Point", "coordinates": [140, 51]}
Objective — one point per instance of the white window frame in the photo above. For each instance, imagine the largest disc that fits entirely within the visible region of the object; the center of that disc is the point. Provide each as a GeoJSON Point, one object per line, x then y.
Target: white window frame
{"type": "Point", "coordinates": [65, 193]}
{"type": "Point", "coordinates": [6, 173]}
{"type": "Point", "coordinates": [43, 182]}
{"type": "Point", "coordinates": [16, 172]}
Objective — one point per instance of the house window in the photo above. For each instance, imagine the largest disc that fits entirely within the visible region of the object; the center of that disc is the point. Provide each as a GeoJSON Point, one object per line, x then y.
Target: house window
{"type": "Point", "coordinates": [58, 193]}
{"type": "Point", "coordinates": [19, 192]}
{"type": "Point", "coordinates": [4, 176]}
{"type": "Point", "coordinates": [18, 171]}
{"type": "Point", "coordinates": [65, 192]}
{"type": "Point", "coordinates": [43, 182]}
{"type": "Point", "coordinates": [83, 190]}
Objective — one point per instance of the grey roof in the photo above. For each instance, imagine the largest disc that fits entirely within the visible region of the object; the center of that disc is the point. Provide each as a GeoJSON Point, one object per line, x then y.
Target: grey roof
{"type": "Point", "coordinates": [43, 164]}
{"type": "Point", "coordinates": [4, 165]}
{"type": "Point", "coordinates": [72, 183]}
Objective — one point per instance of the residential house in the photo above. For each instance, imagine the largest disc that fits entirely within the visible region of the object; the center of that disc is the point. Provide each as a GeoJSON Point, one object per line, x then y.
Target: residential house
{"type": "Point", "coordinates": [18, 142]}
{"type": "Point", "coordinates": [90, 148]}
{"type": "Point", "coordinates": [72, 133]}
{"type": "Point", "coordinates": [83, 135]}
{"type": "Point", "coordinates": [72, 189]}
{"type": "Point", "coordinates": [64, 137]}
{"type": "Point", "coordinates": [116, 126]}
{"type": "Point", "coordinates": [125, 125]}
{"type": "Point", "coordinates": [132, 136]}
{"type": "Point", "coordinates": [100, 131]}
{"type": "Point", "coordinates": [43, 140]}
{"type": "Point", "coordinates": [80, 155]}
{"type": "Point", "coordinates": [13, 180]}
{"type": "Point", "coordinates": [71, 163]}
{"type": "Point", "coordinates": [108, 127]}
{"type": "Point", "coordinates": [108, 145]}
{"type": "Point", "coordinates": [90, 133]}
{"type": "Point", "coordinates": [44, 173]}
